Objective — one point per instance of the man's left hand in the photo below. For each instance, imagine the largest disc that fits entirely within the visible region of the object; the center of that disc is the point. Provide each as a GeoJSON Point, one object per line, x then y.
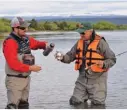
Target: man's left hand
{"type": "Point", "coordinates": [100, 64]}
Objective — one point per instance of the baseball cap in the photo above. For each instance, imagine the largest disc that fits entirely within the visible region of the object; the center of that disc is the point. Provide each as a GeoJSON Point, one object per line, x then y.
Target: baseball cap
{"type": "Point", "coordinates": [18, 21]}
{"type": "Point", "coordinates": [83, 27]}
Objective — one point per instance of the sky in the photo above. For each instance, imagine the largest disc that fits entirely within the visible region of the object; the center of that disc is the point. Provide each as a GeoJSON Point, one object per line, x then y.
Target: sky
{"type": "Point", "coordinates": [62, 7]}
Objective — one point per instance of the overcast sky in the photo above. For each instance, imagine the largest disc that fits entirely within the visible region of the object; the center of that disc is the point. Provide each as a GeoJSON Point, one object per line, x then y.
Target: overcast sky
{"type": "Point", "coordinates": [62, 7]}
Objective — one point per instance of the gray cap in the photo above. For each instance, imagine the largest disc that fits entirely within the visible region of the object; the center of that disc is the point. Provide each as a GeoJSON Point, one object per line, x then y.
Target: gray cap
{"type": "Point", "coordinates": [18, 21]}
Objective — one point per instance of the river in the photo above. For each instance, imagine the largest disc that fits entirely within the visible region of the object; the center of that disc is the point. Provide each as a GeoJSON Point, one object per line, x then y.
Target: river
{"type": "Point", "coordinates": [52, 87]}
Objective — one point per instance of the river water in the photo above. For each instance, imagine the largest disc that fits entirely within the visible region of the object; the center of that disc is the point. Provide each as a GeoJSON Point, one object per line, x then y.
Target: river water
{"type": "Point", "coordinates": [53, 85]}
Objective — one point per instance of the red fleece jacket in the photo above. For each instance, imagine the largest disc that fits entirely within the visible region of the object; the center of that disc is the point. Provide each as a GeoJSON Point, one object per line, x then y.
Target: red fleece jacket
{"type": "Point", "coordinates": [10, 53]}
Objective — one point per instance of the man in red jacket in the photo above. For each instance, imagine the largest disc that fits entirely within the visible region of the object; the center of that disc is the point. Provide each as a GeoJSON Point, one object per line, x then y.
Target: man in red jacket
{"type": "Point", "coordinates": [19, 63]}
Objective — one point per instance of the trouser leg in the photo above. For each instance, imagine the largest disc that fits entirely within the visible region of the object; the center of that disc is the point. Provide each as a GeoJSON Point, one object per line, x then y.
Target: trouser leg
{"type": "Point", "coordinates": [98, 91]}
{"type": "Point", "coordinates": [15, 87]}
{"type": "Point", "coordinates": [79, 93]}
{"type": "Point", "coordinates": [24, 104]}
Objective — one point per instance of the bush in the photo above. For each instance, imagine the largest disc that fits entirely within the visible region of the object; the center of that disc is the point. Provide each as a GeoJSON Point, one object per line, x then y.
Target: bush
{"type": "Point", "coordinates": [104, 25]}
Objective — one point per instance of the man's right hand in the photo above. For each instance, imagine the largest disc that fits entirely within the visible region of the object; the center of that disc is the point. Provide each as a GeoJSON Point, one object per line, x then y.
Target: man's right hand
{"type": "Point", "coordinates": [35, 68]}
{"type": "Point", "coordinates": [59, 56]}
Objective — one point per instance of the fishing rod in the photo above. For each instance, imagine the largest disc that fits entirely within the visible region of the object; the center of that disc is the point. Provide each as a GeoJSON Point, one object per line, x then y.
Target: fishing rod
{"type": "Point", "coordinates": [121, 53]}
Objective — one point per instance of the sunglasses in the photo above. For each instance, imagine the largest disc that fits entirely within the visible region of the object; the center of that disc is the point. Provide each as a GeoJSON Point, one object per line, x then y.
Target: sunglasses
{"type": "Point", "coordinates": [82, 33]}
{"type": "Point", "coordinates": [22, 28]}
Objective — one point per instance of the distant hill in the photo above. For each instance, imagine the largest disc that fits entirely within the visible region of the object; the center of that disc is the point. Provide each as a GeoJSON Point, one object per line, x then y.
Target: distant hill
{"type": "Point", "coordinates": [116, 19]}
{"type": "Point", "coordinates": [92, 19]}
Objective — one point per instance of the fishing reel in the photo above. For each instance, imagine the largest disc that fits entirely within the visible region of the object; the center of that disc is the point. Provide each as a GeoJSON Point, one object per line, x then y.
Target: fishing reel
{"type": "Point", "coordinates": [59, 55]}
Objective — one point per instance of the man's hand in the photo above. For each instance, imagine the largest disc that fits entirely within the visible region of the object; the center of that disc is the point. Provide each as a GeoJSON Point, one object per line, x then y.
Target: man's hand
{"type": "Point", "coordinates": [35, 68]}
{"type": "Point", "coordinates": [58, 55]}
{"type": "Point", "coordinates": [100, 64]}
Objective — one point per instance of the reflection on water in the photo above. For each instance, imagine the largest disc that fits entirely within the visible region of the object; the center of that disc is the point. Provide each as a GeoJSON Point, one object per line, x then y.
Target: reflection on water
{"type": "Point", "coordinates": [53, 86]}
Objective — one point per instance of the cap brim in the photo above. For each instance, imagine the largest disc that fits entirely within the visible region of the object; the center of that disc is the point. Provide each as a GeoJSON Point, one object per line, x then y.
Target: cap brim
{"type": "Point", "coordinates": [25, 24]}
{"type": "Point", "coordinates": [80, 30]}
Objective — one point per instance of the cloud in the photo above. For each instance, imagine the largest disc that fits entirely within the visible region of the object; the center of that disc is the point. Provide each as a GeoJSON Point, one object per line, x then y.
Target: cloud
{"type": "Point", "coordinates": [62, 7]}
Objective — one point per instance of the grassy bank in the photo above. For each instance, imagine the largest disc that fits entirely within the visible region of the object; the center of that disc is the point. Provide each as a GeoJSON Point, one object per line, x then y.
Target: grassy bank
{"type": "Point", "coordinates": [57, 26]}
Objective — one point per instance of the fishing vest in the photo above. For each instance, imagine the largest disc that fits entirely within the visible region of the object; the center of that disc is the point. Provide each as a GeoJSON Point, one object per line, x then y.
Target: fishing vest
{"type": "Point", "coordinates": [23, 51]}
{"type": "Point", "coordinates": [91, 57]}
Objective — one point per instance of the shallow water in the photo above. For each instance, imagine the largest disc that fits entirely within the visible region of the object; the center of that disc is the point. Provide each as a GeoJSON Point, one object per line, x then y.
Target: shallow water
{"type": "Point", "coordinates": [53, 86]}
